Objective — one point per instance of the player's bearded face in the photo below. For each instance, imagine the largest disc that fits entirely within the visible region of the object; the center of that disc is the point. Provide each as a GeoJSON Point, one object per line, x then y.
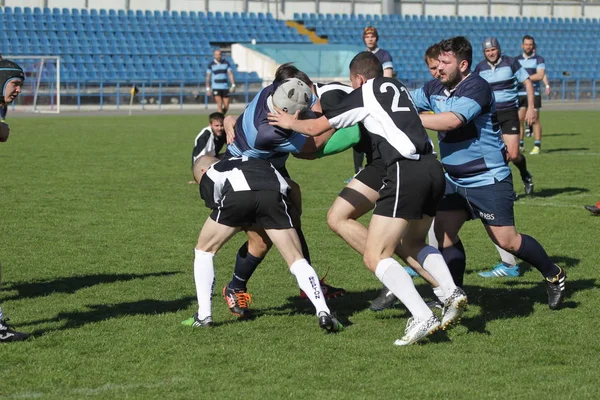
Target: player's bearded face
{"type": "Point", "coordinates": [12, 90]}
{"type": "Point", "coordinates": [449, 70]}
{"type": "Point", "coordinates": [217, 127]}
{"type": "Point", "coordinates": [528, 46]}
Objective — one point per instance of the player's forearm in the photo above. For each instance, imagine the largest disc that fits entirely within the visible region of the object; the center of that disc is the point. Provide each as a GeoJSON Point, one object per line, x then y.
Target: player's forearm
{"type": "Point", "coordinates": [530, 94]}
{"type": "Point", "coordinates": [445, 121]}
{"type": "Point", "coordinates": [207, 80]}
{"type": "Point", "coordinates": [311, 127]}
{"type": "Point", "coordinates": [538, 76]}
{"type": "Point", "coordinates": [388, 72]}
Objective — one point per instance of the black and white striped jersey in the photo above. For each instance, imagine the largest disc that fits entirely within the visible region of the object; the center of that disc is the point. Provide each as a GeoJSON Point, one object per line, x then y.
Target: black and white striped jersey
{"type": "Point", "coordinates": [238, 174]}
{"type": "Point", "coordinates": [386, 110]}
{"type": "Point", "coordinates": [207, 143]}
{"type": "Point", "coordinates": [331, 94]}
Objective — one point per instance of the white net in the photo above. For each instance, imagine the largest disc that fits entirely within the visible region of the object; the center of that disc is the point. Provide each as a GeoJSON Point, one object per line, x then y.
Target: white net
{"type": "Point", "coordinates": [41, 91]}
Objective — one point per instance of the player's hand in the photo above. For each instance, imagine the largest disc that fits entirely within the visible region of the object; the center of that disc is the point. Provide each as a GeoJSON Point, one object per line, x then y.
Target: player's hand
{"type": "Point", "coordinates": [282, 119]}
{"type": "Point", "coordinates": [208, 91]}
{"type": "Point", "coordinates": [4, 132]}
{"type": "Point", "coordinates": [547, 90]}
{"type": "Point", "coordinates": [229, 125]}
{"type": "Point", "coordinates": [530, 116]}
{"type": "Point", "coordinates": [232, 88]}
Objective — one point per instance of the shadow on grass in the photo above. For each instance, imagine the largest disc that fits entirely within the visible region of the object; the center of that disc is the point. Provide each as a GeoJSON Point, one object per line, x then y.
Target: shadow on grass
{"type": "Point", "coordinates": [549, 192]}
{"type": "Point", "coordinates": [102, 312]}
{"type": "Point", "coordinates": [516, 300]}
{"type": "Point", "coordinates": [565, 149]}
{"type": "Point", "coordinates": [71, 284]}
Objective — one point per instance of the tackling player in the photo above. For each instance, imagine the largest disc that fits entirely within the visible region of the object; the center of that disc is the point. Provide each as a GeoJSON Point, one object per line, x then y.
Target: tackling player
{"type": "Point", "coordinates": [408, 199]}
{"type": "Point", "coordinates": [478, 179]}
{"type": "Point", "coordinates": [244, 191]}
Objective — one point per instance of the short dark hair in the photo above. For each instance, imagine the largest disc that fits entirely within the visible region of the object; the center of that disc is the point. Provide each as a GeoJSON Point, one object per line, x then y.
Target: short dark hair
{"type": "Point", "coordinates": [289, 70]}
{"type": "Point", "coordinates": [528, 37]}
{"type": "Point", "coordinates": [366, 64]}
{"type": "Point", "coordinates": [432, 51]}
{"type": "Point", "coordinates": [460, 46]}
{"type": "Point", "coordinates": [216, 116]}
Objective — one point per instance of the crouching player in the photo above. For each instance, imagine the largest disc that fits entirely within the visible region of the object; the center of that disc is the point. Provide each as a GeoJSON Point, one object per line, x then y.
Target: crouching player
{"type": "Point", "coordinates": [244, 192]}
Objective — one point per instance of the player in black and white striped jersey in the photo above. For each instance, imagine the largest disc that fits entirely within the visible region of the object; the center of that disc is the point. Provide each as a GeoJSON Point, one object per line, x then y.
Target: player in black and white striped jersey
{"type": "Point", "coordinates": [245, 192]}
{"type": "Point", "coordinates": [413, 186]}
{"type": "Point", "coordinates": [210, 140]}
{"type": "Point", "coordinates": [361, 193]}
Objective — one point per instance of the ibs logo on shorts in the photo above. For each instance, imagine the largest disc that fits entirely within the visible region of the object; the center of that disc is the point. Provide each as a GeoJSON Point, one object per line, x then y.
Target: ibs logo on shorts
{"type": "Point", "coordinates": [487, 216]}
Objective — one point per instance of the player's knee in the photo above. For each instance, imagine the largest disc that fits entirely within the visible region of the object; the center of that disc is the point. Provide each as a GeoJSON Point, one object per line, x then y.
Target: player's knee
{"type": "Point", "coordinates": [334, 220]}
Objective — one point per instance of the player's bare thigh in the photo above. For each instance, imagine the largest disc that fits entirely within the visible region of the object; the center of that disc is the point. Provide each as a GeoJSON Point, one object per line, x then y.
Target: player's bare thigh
{"type": "Point", "coordinates": [355, 200]}
{"type": "Point", "coordinates": [214, 235]}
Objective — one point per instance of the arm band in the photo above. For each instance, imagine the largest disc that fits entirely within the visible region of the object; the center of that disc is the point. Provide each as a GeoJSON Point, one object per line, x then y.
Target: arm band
{"type": "Point", "coordinates": [341, 140]}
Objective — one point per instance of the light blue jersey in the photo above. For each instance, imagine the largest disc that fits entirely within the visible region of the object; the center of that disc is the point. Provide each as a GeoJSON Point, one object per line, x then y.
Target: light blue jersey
{"type": "Point", "coordinates": [218, 71]}
{"type": "Point", "coordinates": [472, 155]}
{"type": "Point", "coordinates": [503, 77]}
{"type": "Point", "coordinates": [532, 65]}
{"type": "Point", "coordinates": [255, 138]}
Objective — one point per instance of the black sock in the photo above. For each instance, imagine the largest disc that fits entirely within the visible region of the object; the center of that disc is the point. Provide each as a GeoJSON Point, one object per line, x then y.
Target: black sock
{"type": "Point", "coordinates": [305, 252]}
{"type": "Point", "coordinates": [358, 161]}
{"type": "Point", "coordinates": [456, 259]}
{"type": "Point", "coordinates": [245, 265]}
{"type": "Point", "coordinates": [521, 143]}
{"type": "Point", "coordinates": [3, 110]}
{"type": "Point", "coordinates": [532, 252]}
{"type": "Point", "coordinates": [522, 166]}
{"type": "Point", "coordinates": [537, 143]}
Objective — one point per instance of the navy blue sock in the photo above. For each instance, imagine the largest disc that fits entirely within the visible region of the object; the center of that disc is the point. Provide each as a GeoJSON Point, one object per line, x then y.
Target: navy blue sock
{"type": "Point", "coordinates": [522, 166]}
{"type": "Point", "coordinates": [3, 111]}
{"type": "Point", "coordinates": [245, 265]}
{"type": "Point", "coordinates": [532, 252]}
{"type": "Point", "coordinates": [305, 252]}
{"type": "Point", "coordinates": [456, 259]}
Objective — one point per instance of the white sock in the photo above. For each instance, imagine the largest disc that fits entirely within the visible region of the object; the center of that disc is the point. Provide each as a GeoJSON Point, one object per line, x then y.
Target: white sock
{"type": "Point", "coordinates": [507, 258]}
{"type": "Point", "coordinates": [433, 262]}
{"type": "Point", "coordinates": [439, 293]}
{"type": "Point", "coordinates": [308, 281]}
{"type": "Point", "coordinates": [204, 276]}
{"type": "Point", "coordinates": [431, 237]}
{"type": "Point", "coordinates": [397, 280]}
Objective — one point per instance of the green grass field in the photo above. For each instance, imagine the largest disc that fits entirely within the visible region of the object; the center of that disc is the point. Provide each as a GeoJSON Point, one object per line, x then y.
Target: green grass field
{"type": "Point", "coordinates": [97, 227]}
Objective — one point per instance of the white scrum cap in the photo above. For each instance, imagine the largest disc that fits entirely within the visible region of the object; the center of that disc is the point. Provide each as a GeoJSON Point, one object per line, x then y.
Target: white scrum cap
{"type": "Point", "coordinates": [292, 95]}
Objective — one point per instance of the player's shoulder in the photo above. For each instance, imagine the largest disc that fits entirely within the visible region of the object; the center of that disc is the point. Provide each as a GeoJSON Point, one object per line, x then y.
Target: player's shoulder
{"type": "Point", "coordinates": [474, 86]}
{"type": "Point", "coordinates": [482, 66]}
{"type": "Point", "coordinates": [539, 59]}
{"type": "Point", "coordinates": [433, 86]}
{"type": "Point", "coordinates": [385, 54]}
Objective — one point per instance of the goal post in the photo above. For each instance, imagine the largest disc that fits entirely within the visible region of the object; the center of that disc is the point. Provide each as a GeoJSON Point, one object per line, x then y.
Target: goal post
{"type": "Point", "coordinates": [41, 90]}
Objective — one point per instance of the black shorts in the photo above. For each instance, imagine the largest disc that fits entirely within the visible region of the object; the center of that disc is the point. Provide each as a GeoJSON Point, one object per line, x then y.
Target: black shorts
{"type": "Point", "coordinates": [411, 188]}
{"type": "Point", "coordinates": [509, 121]}
{"type": "Point", "coordinates": [537, 102]}
{"type": "Point", "coordinates": [372, 174]}
{"type": "Point", "coordinates": [492, 204]}
{"type": "Point", "coordinates": [267, 209]}
{"type": "Point", "coordinates": [220, 92]}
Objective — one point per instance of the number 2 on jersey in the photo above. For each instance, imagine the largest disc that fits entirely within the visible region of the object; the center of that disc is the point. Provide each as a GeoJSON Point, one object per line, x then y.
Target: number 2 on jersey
{"type": "Point", "coordinates": [396, 101]}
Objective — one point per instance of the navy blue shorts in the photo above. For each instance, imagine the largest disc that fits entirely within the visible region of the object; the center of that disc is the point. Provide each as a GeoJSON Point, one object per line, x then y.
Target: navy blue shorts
{"type": "Point", "coordinates": [492, 204]}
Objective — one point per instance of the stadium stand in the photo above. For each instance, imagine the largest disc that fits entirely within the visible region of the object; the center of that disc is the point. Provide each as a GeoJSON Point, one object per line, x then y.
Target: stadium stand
{"type": "Point", "coordinates": [569, 45]}
{"type": "Point", "coordinates": [175, 47]}
{"type": "Point", "coordinates": [111, 45]}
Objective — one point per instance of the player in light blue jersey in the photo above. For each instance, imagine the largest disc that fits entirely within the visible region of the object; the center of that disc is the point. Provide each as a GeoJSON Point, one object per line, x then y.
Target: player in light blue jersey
{"type": "Point", "coordinates": [504, 73]}
{"type": "Point", "coordinates": [478, 179]}
{"type": "Point", "coordinates": [535, 65]}
{"type": "Point", "coordinates": [217, 83]}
